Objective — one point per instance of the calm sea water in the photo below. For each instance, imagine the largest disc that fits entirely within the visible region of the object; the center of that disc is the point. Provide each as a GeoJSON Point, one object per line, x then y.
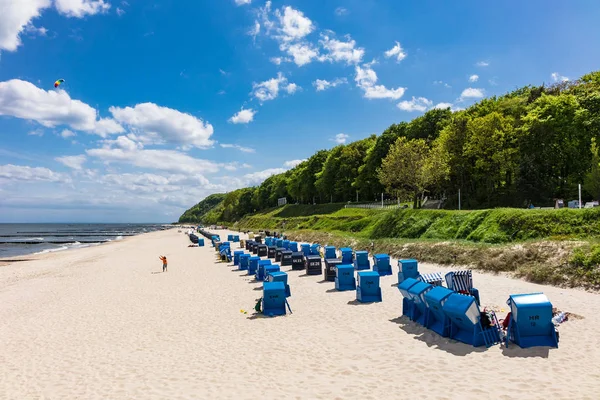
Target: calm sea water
{"type": "Point", "coordinates": [21, 239]}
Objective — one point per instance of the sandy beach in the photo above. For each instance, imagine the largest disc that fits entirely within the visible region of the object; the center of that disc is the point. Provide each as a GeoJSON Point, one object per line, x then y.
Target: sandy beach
{"type": "Point", "coordinates": [104, 322]}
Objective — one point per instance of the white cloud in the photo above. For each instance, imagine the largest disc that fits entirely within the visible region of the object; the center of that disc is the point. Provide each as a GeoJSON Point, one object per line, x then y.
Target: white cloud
{"type": "Point", "coordinates": [366, 79]}
{"type": "Point", "coordinates": [416, 104]}
{"type": "Point", "coordinates": [472, 93]}
{"type": "Point", "coordinates": [397, 52]}
{"type": "Point", "coordinates": [255, 31]}
{"type": "Point", "coordinates": [321, 84]}
{"type": "Point", "coordinates": [301, 53]}
{"type": "Point", "coordinates": [126, 151]}
{"type": "Point", "coordinates": [244, 116]}
{"type": "Point", "coordinates": [294, 25]}
{"type": "Point", "coordinates": [278, 60]}
{"type": "Point", "coordinates": [442, 106]}
{"type": "Point", "coordinates": [473, 78]}
{"type": "Point", "coordinates": [292, 88]}
{"type": "Point", "coordinates": [242, 2]}
{"type": "Point", "coordinates": [236, 146]}
{"type": "Point", "coordinates": [74, 162]}
{"type": "Point", "coordinates": [341, 138]}
{"type": "Point", "coordinates": [67, 133]}
{"type": "Point", "coordinates": [21, 99]}
{"type": "Point", "coordinates": [269, 90]}
{"type": "Point", "coordinates": [120, 12]}
{"type": "Point", "coordinates": [15, 17]}
{"type": "Point", "coordinates": [256, 178]}
{"type": "Point", "coordinates": [10, 172]}
{"type": "Point", "coordinates": [556, 77]}
{"type": "Point", "coordinates": [442, 83]}
{"type": "Point", "coordinates": [163, 124]}
{"type": "Point", "coordinates": [341, 11]}
{"type": "Point", "coordinates": [81, 8]}
{"type": "Point", "coordinates": [340, 51]}
{"type": "Point", "coordinates": [482, 64]}
{"type": "Point", "coordinates": [36, 132]}
{"type": "Point", "coordinates": [293, 163]}
{"type": "Point", "coordinates": [31, 29]}
{"type": "Point", "coordinates": [154, 183]}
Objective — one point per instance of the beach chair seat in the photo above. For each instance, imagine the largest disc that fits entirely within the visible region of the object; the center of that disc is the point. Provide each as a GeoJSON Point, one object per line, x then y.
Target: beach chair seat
{"type": "Point", "coordinates": [286, 258]}
{"type": "Point", "coordinates": [329, 273]}
{"type": "Point", "coordinates": [361, 261]}
{"type": "Point", "coordinates": [417, 293]}
{"type": "Point", "coordinates": [278, 252]}
{"type": "Point", "coordinates": [314, 249]}
{"type": "Point", "coordinates": [262, 250]}
{"type": "Point", "coordinates": [253, 265]}
{"type": "Point", "coordinates": [305, 249]}
{"type": "Point", "coordinates": [279, 276]}
{"type": "Point", "coordinates": [347, 255]}
{"type": "Point", "coordinates": [408, 268]}
{"type": "Point", "coordinates": [260, 274]}
{"type": "Point", "coordinates": [434, 278]}
{"type": "Point", "coordinates": [344, 277]}
{"type": "Point", "coordinates": [530, 321]}
{"type": "Point", "coordinates": [435, 318]}
{"type": "Point", "coordinates": [244, 262]}
{"type": "Point", "coordinates": [297, 261]}
{"type": "Point", "coordinates": [462, 282]}
{"type": "Point", "coordinates": [464, 322]}
{"type": "Point", "coordinates": [407, 301]}
{"type": "Point", "coordinates": [368, 289]}
{"type": "Point", "coordinates": [274, 299]}
{"type": "Point", "coordinates": [236, 257]}
{"type": "Point", "coordinates": [313, 265]}
{"type": "Point", "coordinates": [271, 268]}
{"type": "Point", "coordinates": [330, 252]}
{"type": "Point", "coordinates": [381, 264]}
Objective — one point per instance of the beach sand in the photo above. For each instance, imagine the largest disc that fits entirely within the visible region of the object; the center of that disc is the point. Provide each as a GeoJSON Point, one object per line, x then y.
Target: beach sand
{"type": "Point", "coordinates": [105, 323]}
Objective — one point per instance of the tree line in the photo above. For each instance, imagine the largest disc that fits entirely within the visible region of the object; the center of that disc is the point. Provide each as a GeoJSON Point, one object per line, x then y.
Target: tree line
{"type": "Point", "coordinates": [529, 146]}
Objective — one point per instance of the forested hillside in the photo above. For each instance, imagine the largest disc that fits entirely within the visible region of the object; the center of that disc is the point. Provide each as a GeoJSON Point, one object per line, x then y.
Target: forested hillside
{"type": "Point", "coordinates": [529, 146]}
{"type": "Point", "coordinates": [196, 213]}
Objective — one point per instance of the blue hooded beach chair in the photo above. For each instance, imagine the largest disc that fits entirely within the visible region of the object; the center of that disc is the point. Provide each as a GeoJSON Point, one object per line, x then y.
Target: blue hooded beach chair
{"type": "Point", "coordinates": [419, 306]}
{"type": "Point", "coordinates": [464, 322]}
{"type": "Point", "coordinates": [381, 264]}
{"type": "Point", "coordinates": [530, 321]}
{"type": "Point", "coordinates": [436, 319]}
{"type": "Point", "coordinates": [368, 289]}
{"type": "Point", "coordinates": [236, 257]}
{"type": "Point", "coordinates": [407, 301]}
{"type": "Point", "coordinates": [347, 256]}
{"type": "Point", "coordinates": [280, 276]}
{"type": "Point", "coordinates": [253, 265]}
{"type": "Point", "coordinates": [344, 277]}
{"type": "Point", "coordinates": [361, 261]}
{"type": "Point", "coordinates": [274, 299]}
{"type": "Point", "coordinates": [260, 269]}
{"type": "Point", "coordinates": [407, 269]}
{"type": "Point", "coordinates": [244, 262]}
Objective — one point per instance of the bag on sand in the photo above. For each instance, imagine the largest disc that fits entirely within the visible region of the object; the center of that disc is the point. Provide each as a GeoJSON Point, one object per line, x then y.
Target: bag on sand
{"type": "Point", "coordinates": [257, 307]}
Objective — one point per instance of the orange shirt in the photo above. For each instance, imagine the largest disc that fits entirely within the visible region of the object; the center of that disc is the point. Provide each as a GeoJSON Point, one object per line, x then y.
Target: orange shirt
{"type": "Point", "coordinates": [164, 259]}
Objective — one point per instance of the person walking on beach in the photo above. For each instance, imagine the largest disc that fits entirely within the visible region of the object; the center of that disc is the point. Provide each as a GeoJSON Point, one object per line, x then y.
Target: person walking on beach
{"type": "Point", "coordinates": [164, 260]}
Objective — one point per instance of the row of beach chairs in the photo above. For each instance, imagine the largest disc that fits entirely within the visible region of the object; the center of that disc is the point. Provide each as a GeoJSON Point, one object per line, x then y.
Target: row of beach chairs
{"type": "Point", "coordinates": [451, 311]}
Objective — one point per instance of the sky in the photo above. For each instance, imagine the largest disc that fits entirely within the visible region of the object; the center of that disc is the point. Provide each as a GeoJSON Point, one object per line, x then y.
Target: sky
{"type": "Point", "coordinates": [167, 101]}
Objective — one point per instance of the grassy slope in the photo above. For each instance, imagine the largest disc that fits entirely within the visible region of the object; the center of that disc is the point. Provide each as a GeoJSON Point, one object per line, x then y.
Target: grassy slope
{"type": "Point", "coordinates": [545, 246]}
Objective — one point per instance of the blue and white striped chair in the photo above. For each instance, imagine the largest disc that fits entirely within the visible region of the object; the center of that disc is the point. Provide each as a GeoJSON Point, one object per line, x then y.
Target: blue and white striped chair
{"type": "Point", "coordinates": [434, 278]}
{"type": "Point", "coordinates": [462, 282]}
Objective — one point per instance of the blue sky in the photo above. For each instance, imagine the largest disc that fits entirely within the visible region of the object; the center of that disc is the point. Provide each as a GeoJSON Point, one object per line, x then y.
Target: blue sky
{"type": "Point", "coordinates": [166, 102]}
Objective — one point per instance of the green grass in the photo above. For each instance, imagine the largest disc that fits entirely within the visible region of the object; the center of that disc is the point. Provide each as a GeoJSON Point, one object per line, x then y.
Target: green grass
{"type": "Point", "coordinates": [502, 225]}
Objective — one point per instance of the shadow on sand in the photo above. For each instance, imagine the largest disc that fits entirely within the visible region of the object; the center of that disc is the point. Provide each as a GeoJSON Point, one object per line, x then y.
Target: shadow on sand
{"type": "Point", "coordinates": [432, 339]}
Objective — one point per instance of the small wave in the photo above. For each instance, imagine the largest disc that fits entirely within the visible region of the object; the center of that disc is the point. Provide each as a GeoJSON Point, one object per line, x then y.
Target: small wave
{"type": "Point", "coordinates": [119, 237]}
{"type": "Point", "coordinates": [52, 250]}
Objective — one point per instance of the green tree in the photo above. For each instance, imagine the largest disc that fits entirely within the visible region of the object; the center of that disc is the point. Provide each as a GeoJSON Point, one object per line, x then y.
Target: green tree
{"type": "Point", "coordinates": [403, 169]}
{"type": "Point", "coordinates": [326, 178]}
{"type": "Point", "coordinates": [592, 178]}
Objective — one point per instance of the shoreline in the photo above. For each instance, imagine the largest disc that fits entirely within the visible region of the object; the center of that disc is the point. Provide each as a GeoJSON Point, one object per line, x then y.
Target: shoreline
{"type": "Point", "coordinates": [106, 322]}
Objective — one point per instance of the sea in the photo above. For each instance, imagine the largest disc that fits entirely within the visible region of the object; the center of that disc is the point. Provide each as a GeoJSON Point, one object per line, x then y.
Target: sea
{"type": "Point", "coordinates": [23, 239]}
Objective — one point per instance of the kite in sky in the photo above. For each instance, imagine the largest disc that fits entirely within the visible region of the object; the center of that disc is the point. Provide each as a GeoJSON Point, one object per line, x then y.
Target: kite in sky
{"type": "Point", "coordinates": [58, 82]}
